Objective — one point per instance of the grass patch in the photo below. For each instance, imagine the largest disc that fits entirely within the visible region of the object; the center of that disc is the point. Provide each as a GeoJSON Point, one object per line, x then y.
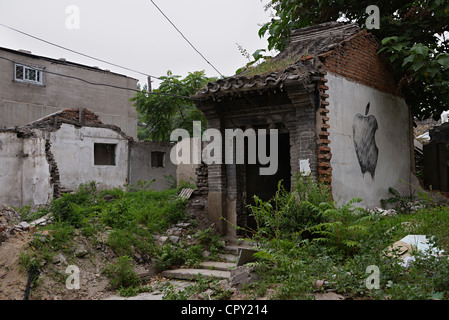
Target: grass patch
{"type": "Point", "coordinates": [340, 246]}
{"type": "Point", "coordinates": [269, 66]}
{"type": "Point", "coordinates": [129, 219]}
{"type": "Point", "coordinates": [121, 274]}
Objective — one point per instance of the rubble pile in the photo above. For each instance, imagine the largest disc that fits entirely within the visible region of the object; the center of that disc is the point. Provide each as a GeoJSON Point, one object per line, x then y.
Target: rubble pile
{"type": "Point", "coordinates": [11, 223]}
{"type": "Point", "coordinates": [9, 219]}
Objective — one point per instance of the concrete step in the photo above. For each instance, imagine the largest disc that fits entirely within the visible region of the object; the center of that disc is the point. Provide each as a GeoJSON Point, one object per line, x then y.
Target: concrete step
{"type": "Point", "coordinates": [217, 265]}
{"type": "Point", "coordinates": [228, 257]}
{"type": "Point", "coordinates": [193, 274]}
{"type": "Point", "coordinates": [234, 248]}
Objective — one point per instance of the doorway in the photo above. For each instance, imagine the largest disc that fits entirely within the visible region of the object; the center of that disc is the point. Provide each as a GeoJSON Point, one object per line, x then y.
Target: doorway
{"type": "Point", "coordinates": [265, 186]}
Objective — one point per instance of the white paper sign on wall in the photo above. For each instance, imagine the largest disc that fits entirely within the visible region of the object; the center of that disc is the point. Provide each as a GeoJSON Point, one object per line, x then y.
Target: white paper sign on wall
{"type": "Point", "coordinates": [304, 167]}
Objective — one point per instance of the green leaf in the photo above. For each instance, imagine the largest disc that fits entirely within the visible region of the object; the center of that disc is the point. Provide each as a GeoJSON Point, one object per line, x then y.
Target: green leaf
{"type": "Point", "coordinates": [418, 65]}
{"type": "Point", "coordinates": [393, 57]}
{"type": "Point", "coordinates": [409, 59]}
{"type": "Point", "coordinates": [257, 54]}
{"type": "Point", "coordinates": [420, 49]}
{"type": "Point", "coordinates": [444, 61]}
{"type": "Point", "coordinates": [389, 39]}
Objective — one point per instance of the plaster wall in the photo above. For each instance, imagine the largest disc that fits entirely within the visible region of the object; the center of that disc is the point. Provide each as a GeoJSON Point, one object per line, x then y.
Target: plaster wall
{"type": "Point", "coordinates": [24, 171]}
{"type": "Point", "coordinates": [73, 149]}
{"type": "Point", "coordinates": [186, 171]}
{"type": "Point", "coordinates": [141, 165]}
{"type": "Point", "coordinates": [346, 100]}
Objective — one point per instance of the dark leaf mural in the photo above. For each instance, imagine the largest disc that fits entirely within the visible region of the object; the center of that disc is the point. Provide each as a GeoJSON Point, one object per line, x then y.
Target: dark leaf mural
{"type": "Point", "coordinates": [364, 130]}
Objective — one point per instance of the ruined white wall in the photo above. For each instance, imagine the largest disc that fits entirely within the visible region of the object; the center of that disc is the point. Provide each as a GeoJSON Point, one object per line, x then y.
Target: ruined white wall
{"type": "Point", "coordinates": [24, 171]}
{"type": "Point", "coordinates": [141, 167]}
{"type": "Point", "coordinates": [73, 149]}
{"type": "Point", "coordinates": [186, 171]}
{"type": "Point", "coordinates": [346, 100]}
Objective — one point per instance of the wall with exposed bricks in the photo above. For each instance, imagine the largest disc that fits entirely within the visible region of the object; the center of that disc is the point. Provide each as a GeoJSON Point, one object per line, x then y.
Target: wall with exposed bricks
{"type": "Point", "coordinates": [357, 59]}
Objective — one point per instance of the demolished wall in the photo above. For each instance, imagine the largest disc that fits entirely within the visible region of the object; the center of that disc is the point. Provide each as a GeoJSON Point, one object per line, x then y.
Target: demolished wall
{"type": "Point", "coordinates": [24, 170]}
{"type": "Point", "coordinates": [150, 160]}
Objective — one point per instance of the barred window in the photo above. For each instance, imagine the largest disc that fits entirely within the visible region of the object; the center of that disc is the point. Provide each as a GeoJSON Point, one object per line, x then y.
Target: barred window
{"type": "Point", "coordinates": [28, 74]}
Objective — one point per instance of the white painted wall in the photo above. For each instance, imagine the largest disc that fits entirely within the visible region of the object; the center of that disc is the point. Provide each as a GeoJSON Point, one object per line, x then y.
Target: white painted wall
{"type": "Point", "coordinates": [346, 99]}
{"type": "Point", "coordinates": [24, 171]}
{"type": "Point", "coordinates": [73, 149]}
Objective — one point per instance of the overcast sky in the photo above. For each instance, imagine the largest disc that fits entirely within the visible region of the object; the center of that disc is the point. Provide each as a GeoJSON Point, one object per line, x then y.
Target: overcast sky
{"type": "Point", "coordinates": [136, 35]}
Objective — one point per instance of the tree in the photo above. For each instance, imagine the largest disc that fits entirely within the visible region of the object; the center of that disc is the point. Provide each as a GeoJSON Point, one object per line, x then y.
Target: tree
{"type": "Point", "coordinates": [169, 107]}
{"type": "Point", "coordinates": [414, 36]}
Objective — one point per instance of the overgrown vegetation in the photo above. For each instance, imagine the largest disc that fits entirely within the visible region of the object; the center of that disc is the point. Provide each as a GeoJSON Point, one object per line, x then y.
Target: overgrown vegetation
{"type": "Point", "coordinates": [126, 221]}
{"type": "Point", "coordinates": [308, 243]}
{"type": "Point", "coordinates": [304, 237]}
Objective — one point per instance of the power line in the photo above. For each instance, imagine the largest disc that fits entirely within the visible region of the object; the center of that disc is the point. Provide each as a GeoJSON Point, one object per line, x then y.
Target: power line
{"type": "Point", "coordinates": [185, 38]}
{"type": "Point", "coordinates": [73, 51]}
{"type": "Point", "coordinates": [103, 84]}
{"type": "Point", "coordinates": [85, 55]}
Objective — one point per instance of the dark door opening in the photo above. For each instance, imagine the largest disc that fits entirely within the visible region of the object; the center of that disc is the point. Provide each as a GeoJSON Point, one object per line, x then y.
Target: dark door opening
{"type": "Point", "coordinates": [265, 186]}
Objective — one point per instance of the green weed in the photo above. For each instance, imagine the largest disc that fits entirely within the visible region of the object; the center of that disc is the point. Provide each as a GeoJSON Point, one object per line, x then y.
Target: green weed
{"type": "Point", "coordinates": [122, 274]}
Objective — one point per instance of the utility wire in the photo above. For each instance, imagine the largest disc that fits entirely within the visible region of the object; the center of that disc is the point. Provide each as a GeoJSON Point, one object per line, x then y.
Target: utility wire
{"type": "Point", "coordinates": [85, 55]}
{"type": "Point", "coordinates": [77, 52]}
{"type": "Point", "coordinates": [103, 84]}
{"type": "Point", "coordinates": [185, 38]}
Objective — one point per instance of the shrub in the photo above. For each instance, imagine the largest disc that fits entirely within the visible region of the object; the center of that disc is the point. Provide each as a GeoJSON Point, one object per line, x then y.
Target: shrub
{"type": "Point", "coordinates": [122, 274]}
{"type": "Point", "coordinates": [290, 213]}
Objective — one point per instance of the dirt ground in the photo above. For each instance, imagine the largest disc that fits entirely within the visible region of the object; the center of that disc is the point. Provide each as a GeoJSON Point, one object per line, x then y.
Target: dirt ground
{"type": "Point", "coordinates": [12, 280]}
{"type": "Point", "coordinates": [51, 283]}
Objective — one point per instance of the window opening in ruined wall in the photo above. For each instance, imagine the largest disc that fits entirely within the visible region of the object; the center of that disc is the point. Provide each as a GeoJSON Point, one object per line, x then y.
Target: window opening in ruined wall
{"type": "Point", "coordinates": [104, 154]}
{"type": "Point", "coordinates": [157, 159]}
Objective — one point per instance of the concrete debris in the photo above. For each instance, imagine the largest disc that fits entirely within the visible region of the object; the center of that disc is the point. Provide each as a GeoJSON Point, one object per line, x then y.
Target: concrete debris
{"type": "Point", "coordinates": [183, 225]}
{"type": "Point", "coordinates": [329, 296]}
{"type": "Point", "coordinates": [11, 222]}
{"type": "Point", "coordinates": [59, 258]}
{"type": "Point", "coordinates": [243, 275]}
{"type": "Point", "coordinates": [246, 255]}
{"type": "Point", "coordinates": [406, 248]}
{"type": "Point", "coordinates": [24, 225]}
{"type": "Point", "coordinates": [81, 251]}
{"type": "Point", "coordinates": [384, 212]}
{"type": "Point", "coordinates": [413, 205]}
{"type": "Point", "coordinates": [44, 220]}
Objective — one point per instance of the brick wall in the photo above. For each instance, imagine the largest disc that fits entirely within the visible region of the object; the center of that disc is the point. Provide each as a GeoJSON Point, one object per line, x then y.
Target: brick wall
{"type": "Point", "coordinates": [357, 59]}
{"type": "Point", "coordinates": [324, 151]}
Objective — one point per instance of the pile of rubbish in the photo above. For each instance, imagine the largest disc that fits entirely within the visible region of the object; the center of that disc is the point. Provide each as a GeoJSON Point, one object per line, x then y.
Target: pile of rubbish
{"type": "Point", "coordinates": [11, 222]}
{"type": "Point", "coordinates": [406, 248]}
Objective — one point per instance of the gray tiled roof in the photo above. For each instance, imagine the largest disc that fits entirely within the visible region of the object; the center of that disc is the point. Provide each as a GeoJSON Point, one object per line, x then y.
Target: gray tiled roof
{"type": "Point", "coordinates": [306, 42]}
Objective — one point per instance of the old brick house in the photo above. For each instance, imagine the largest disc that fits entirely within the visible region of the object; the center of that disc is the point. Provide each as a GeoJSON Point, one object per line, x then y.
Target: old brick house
{"type": "Point", "coordinates": [335, 104]}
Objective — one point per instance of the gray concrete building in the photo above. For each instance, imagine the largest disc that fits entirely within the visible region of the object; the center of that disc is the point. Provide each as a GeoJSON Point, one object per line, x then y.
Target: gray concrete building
{"type": "Point", "coordinates": [32, 87]}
